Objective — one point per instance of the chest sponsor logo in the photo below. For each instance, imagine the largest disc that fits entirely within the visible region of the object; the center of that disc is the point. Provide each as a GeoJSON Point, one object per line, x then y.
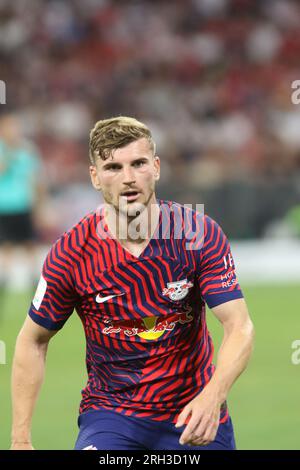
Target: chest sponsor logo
{"type": "Point", "coordinates": [177, 290]}
{"type": "Point", "coordinates": [149, 328]}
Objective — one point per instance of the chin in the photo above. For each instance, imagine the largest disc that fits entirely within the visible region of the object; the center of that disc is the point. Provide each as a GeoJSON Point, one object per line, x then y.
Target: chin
{"type": "Point", "coordinates": [134, 209]}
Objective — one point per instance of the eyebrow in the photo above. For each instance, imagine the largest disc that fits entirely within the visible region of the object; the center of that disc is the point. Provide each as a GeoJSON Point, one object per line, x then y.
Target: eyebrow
{"type": "Point", "coordinates": [111, 163]}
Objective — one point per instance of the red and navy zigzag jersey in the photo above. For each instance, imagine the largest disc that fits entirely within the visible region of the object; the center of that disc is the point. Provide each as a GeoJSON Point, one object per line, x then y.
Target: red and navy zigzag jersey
{"type": "Point", "coordinates": [148, 349]}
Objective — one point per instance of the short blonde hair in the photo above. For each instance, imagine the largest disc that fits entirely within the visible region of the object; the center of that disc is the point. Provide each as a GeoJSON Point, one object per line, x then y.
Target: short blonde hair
{"type": "Point", "coordinates": [111, 134]}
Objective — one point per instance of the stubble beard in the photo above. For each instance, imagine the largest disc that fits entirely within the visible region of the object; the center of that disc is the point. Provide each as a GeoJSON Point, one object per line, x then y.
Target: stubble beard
{"type": "Point", "coordinates": [131, 220]}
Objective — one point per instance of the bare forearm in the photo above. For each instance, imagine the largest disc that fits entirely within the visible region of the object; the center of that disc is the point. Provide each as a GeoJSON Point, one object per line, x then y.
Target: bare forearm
{"type": "Point", "coordinates": [27, 377]}
{"type": "Point", "coordinates": [233, 357]}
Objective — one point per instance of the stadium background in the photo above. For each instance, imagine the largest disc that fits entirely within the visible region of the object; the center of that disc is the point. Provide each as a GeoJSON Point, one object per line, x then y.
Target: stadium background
{"type": "Point", "coordinates": [212, 78]}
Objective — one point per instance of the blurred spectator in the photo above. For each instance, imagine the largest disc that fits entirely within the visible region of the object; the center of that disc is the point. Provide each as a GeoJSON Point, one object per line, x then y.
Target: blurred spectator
{"type": "Point", "coordinates": [214, 75]}
{"type": "Point", "coordinates": [21, 196]}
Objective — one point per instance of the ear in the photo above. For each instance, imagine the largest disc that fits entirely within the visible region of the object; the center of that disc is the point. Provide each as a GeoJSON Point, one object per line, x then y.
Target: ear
{"type": "Point", "coordinates": [156, 167]}
{"type": "Point", "coordinates": [94, 178]}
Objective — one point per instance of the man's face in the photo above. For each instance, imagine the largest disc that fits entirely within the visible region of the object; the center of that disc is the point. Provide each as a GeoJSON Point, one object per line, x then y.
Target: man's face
{"type": "Point", "coordinates": [127, 179]}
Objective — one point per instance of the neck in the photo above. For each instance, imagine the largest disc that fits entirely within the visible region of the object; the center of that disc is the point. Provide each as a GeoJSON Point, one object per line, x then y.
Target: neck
{"type": "Point", "coordinates": [133, 229]}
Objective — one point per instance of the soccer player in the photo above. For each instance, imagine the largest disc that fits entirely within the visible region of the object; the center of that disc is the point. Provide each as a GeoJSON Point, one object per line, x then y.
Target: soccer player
{"type": "Point", "coordinates": [138, 271]}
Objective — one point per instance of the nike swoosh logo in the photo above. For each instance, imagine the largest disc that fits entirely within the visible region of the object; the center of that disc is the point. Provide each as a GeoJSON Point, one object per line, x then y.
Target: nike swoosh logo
{"type": "Point", "coordinates": [100, 299]}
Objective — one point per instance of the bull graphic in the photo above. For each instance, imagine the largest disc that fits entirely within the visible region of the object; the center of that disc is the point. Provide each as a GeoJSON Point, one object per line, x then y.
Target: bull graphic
{"type": "Point", "coordinates": [149, 327]}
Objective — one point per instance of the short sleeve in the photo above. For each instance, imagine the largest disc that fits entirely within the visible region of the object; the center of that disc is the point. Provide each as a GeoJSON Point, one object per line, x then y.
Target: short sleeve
{"type": "Point", "coordinates": [55, 297]}
{"type": "Point", "coordinates": [217, 277]}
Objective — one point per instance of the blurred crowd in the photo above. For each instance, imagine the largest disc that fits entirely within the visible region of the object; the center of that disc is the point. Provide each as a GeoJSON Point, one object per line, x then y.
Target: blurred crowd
{"type": "Point", "coordinates": [212, 79]}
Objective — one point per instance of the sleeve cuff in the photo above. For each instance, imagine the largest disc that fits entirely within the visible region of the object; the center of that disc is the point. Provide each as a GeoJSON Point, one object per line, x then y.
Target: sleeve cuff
{"type": "Point", "coordinates": [45, 322]}
{"type": "Point", "coordinates": [213, 300]}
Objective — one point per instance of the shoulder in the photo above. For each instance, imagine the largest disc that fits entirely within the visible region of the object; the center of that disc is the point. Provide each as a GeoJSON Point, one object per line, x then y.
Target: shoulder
{"type": "Point", "coordinates": [184, 210]}
{"type": "Point", "coordinates": [210, 225]}
{"type": "Point", "coordinates": [191, 214]}
{"type": "Point", "coordinates": [76, 238]}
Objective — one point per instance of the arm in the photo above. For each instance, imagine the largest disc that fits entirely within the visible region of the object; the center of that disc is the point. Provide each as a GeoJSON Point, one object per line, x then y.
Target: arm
{"type": "Point", "coordinates": [236, 347]}
{"type": "Point", "coordinates": [27, 377]}
{"type": "Point", "coordinates": [233, 357]}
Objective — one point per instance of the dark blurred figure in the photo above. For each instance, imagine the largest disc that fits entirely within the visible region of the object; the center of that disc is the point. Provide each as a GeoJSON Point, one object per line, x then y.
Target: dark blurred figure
{"type": "Point", "coordinates": [20, 199]}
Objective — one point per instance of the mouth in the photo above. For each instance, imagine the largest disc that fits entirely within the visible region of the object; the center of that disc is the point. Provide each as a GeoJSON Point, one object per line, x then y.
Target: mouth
{"type": "Point", "coordinates": [130, 195]}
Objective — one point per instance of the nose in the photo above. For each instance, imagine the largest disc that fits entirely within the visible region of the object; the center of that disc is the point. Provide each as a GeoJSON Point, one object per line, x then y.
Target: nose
{"type": "Point", "coordinates": [128, 175]}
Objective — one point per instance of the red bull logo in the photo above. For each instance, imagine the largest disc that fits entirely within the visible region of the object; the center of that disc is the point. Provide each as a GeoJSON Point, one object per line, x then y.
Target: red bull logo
{"type": "Point", "coordinates": [149, 328]}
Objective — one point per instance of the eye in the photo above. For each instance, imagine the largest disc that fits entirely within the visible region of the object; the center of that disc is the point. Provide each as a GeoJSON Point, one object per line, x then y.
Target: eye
{"type": "Point", "coordinates": [113, 167]}
{"type": "Point", "coordinates": [139, 163]}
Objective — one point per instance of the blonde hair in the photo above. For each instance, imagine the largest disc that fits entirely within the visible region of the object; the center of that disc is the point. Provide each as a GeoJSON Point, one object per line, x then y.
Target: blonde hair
{"type": "Point", "coordinates": [111, 134]}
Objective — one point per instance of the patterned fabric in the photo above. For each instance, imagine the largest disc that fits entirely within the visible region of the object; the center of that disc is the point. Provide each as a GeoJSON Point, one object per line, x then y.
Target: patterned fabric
{"type": "Point", "coordinates": [149, 351]}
